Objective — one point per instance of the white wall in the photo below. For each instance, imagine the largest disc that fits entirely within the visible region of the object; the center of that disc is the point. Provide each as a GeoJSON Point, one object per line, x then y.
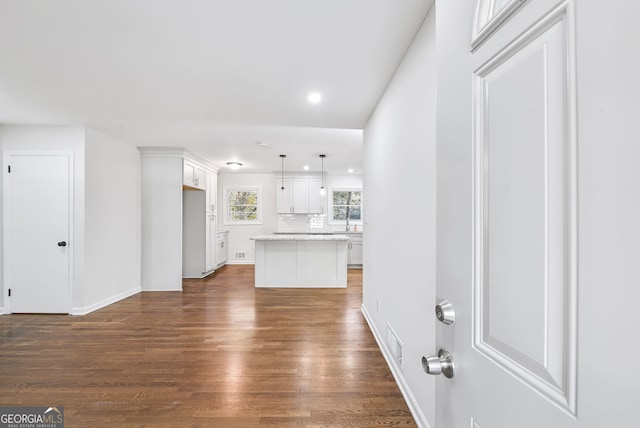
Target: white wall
{"type": "Point", "coordinates": [112, 220]}
{"type": "Point", "coordinates": [161, 182]}
{"type": "Point", "coordinates": [399, 251]}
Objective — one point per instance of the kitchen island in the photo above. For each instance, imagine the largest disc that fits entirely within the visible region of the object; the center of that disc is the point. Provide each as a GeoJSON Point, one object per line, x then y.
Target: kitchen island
{"type": "Point", "coordinates": [301, 261]}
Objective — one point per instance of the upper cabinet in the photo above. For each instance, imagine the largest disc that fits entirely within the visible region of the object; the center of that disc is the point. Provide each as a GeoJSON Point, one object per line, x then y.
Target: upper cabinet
{"type": "Point", "coordinates": [299, 196]}
{"type": "Point", "coordinates": [317, 201]}
{"type": "Point", "coordinates": [211, 191]}
{"type": "Point", "coordinates": [193, 175]}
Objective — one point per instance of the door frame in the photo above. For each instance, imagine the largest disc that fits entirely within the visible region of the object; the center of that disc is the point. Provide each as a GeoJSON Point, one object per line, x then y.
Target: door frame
{"type": "Point", "coordinates": [6, 157]}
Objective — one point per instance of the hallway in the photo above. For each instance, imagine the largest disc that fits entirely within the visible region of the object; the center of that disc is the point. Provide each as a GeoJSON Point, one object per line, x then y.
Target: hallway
{"type": "Point", "coordinates": [218, 354]}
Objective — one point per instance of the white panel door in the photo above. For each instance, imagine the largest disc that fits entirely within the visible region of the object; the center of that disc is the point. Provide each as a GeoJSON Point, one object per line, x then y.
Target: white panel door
{"type": "Point", "coordinates": [37, 247]}
{"type": "Point", "coordinates": [538, 225]}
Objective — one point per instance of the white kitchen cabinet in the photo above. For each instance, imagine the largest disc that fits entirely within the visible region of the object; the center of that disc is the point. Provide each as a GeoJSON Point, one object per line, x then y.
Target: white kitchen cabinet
{"type": "Point", "coordinates": [300, 196]}
{"type": "Point", "coordinates": [193, 175]}
{"type": "Point", "coordinates": [210, 243]}
{"type": "Point", "coordinates": [167, 216]}
{"type": "Point", "coordinates": [211, 190]}
{"type": "Point", "coordinates": [355, 250]}
{"type": "Point", "coordinates": [283, 196]}
{"type": "Point", "coordinates": [317, 201]}
{"type": "Point", "coordinates": [301, 261]}
{"type": "Point", "coordinates": [199, 217]}
{"type": "Point", "coordinates": [222, 250]}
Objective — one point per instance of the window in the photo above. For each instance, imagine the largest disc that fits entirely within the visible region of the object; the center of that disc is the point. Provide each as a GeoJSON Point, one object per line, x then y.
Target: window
{"type": "Point", "coordinates": [243, 205]}
{"type": "Point", "coordinates": [346, 204]}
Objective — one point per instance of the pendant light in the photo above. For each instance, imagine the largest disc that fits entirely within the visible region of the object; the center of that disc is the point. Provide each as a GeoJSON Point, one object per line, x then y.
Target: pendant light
{"type": "Point", "coordinates": [322, 191]}
{"type": "Point", "coordinates": [282, 181]}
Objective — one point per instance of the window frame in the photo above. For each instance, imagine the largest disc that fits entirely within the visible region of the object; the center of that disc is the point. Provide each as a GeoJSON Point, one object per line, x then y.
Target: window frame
{"type": "Point", "coordinates": [330, 208]}
{"type": "Point", "coordinates": [226, 205]}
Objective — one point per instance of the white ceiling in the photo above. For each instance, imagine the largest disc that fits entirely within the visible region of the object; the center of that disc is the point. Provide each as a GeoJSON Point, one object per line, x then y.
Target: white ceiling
{"type": "Point", "coordinates": [215, 76]}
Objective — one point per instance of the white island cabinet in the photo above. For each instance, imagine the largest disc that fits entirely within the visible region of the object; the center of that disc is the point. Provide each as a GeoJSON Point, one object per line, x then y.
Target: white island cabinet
{"type": "Point", "coordinates": [301, 261]}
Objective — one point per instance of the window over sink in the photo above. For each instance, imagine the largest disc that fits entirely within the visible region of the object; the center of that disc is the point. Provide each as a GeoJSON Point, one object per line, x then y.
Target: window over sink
{"type": "Point", "coordinates": [346, 205]}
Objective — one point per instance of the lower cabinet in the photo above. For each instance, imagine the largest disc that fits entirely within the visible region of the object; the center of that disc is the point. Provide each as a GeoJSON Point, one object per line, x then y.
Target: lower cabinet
{"type": "Point", "coordinates": [354, 254]}
{"type": "Point", "coordinates": [222, 250]}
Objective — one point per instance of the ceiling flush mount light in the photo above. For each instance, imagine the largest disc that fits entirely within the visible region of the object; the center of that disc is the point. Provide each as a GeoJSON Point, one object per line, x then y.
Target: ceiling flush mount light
{"type": "Point", "coordinates": [282, 159]}
{"type": "Point", "coordinates": [234, 165]}
{"type": "Point", "coordinates": [314, 97]}
{"type": "Point", "coordinates": [261, 144]}
{"type": "Point", "coordinates": [350, 170]}
{"type": "Point", "coordinates": [306, 167]}
{"type": "Point", "coordinates": [322, 191]}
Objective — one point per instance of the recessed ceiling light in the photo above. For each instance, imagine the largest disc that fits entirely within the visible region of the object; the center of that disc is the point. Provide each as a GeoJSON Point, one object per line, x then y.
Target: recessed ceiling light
{"type": "Point", "coordinates": [261, 144]}
{"type": "Point", "coordinates": [314, 97]}
{"type": "Point", "coordinates": [306, 167]}
{"type": "Point", "coordinates": [234, 165]}
{"type": "Point", "coordinates": [350, 170]}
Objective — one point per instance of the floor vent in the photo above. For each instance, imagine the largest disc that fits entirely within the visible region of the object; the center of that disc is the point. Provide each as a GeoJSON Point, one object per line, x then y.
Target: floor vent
{"type": "Point", "coordinates": [241, 254]}
{"type": "Point", "coordinates": [395, 346]}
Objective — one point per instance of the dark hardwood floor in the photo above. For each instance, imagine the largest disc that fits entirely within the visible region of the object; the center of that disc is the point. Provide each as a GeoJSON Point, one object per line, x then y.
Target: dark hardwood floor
{"type": "Point", "coordinates": [219, 354]}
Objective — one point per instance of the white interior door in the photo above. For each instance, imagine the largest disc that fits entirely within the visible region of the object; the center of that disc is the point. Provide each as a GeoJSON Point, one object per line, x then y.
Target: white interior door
{"type": "Point", "coordinates": [37, 247]}
{"type": "Point", "coordinates": [538, 202]}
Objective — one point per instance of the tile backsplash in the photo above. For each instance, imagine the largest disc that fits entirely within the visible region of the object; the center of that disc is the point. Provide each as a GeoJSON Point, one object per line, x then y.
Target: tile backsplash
{"type": "Point", "coordinates": [308, 223]}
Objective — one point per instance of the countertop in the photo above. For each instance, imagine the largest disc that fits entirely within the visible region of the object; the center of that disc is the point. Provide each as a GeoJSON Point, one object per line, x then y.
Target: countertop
{"type": "Point", "coordinates": [351, 232]}
{"type": "Point", "coordinates": [301, 237]}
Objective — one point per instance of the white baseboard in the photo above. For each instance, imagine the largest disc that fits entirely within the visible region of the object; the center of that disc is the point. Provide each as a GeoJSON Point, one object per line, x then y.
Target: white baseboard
{"type": "Point", "coordinates": [241, 262]}
{"type": "Point", "coordinates": [409, 398]}
{"type": "Point", "coordinates": [106, 302]}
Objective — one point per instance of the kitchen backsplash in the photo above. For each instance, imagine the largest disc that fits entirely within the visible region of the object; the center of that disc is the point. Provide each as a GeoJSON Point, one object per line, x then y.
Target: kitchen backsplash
{"type": "Point", "coordinates": [308, 223]}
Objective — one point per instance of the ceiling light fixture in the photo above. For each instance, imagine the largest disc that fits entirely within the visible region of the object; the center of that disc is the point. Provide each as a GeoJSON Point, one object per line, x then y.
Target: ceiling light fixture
{"type": "Point", "coordinates": [234, 165]}
{"type": "Point", "coordinates": [306, 167]}
{"type": "Point", "coordinates": [282, 158]}
{"type": "Point", "coordinates": [322, 191]}
{"type": "Point", "coordinates": [350, 170]}
{"type": "Point", "coordinates": [314, 97]}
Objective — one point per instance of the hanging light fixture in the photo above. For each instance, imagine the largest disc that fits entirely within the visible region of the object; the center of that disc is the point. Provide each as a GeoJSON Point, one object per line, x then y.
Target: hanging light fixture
{"type": "Point", "coordinates": [282, 158]}
{"type": "Point", "coordinates": [322, 191]}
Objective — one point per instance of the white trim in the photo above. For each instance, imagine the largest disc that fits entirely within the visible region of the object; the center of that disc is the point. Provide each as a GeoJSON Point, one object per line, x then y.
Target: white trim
{"type": "Point", "coordinates": [409, 398]}
{"type": "Point", "coordinates": [225, 205]}
{"type": "Point", "coordinates": [176, 152]}
{"type": "Point", "coordinates": [486, 22]}
{"type": "Point", "coordinates": [106, 302]}
{"type": "Point", "coordinates": [240, 262]}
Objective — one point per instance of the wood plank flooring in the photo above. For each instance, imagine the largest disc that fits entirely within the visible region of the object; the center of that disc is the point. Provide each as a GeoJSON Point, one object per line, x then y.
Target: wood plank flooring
{"type": "Point", "coordinates": [218, 354]}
